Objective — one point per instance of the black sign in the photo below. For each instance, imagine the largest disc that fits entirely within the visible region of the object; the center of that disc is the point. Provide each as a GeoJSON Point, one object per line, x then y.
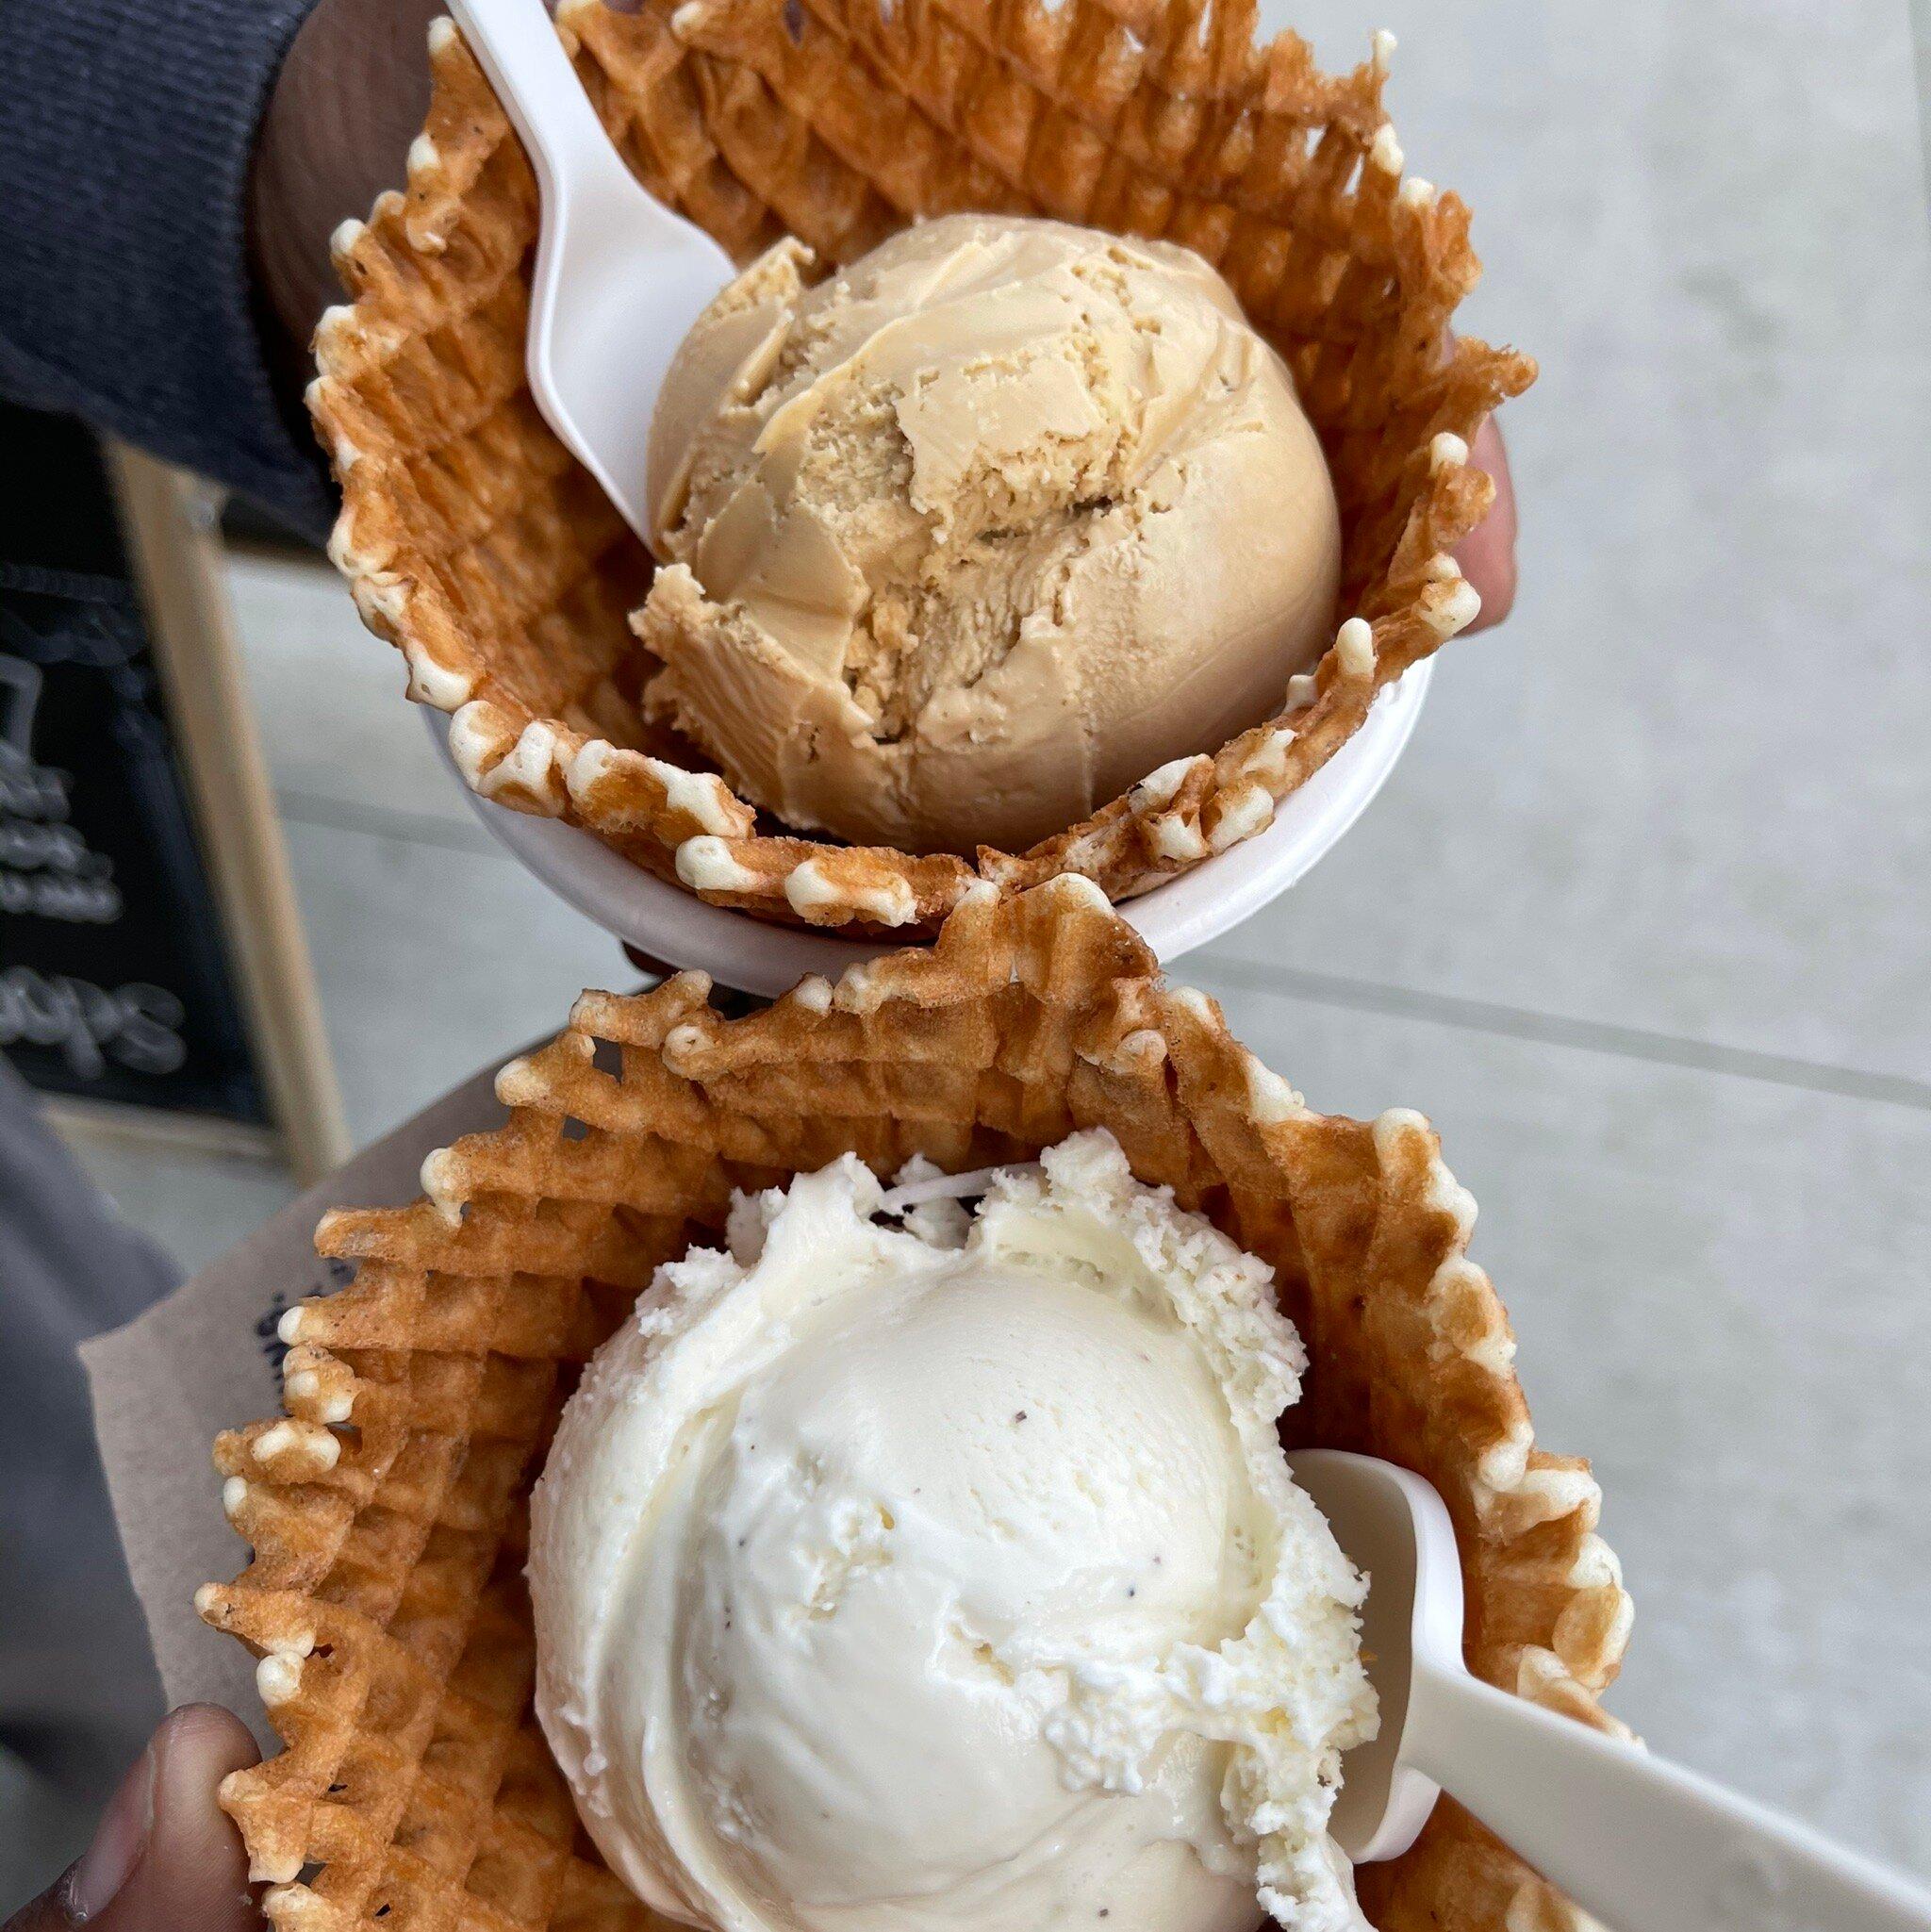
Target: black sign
{"type": "Point", "coordinates": [114, 981]}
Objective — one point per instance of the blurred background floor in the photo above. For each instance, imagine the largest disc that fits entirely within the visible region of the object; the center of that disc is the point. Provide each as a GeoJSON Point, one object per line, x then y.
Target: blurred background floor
{"type": "Point", "coordinates": [1641, 921]}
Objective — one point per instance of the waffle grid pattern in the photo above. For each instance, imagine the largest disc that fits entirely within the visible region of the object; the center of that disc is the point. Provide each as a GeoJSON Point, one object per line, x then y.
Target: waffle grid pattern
{"type": "Point", "coordinates": [479, 548]}
{"type": "Point", "coordinates": [387, 1507]}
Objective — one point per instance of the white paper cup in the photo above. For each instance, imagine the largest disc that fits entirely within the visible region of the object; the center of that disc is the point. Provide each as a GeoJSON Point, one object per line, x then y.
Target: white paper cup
{"type": "Point", "coordinates": [755, 956]}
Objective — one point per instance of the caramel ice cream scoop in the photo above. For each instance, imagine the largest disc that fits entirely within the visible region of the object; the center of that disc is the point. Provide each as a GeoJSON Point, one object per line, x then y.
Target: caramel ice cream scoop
{"type": "Point", "coordinates": [968, 538]}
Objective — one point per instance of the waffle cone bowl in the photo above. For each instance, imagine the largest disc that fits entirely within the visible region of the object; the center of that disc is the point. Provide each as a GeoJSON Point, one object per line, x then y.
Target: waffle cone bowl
{"type": "Point", "coordinates": [476, 543]}
{"type": "Point", "coordinates": [388, 1507]}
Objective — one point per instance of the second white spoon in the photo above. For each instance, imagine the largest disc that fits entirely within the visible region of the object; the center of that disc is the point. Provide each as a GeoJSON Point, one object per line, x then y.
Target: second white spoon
{"type": "Point", "coordinates": [1637, 1842]}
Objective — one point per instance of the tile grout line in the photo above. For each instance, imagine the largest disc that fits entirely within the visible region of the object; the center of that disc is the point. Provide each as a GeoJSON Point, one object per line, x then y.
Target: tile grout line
{"type": "Point", "coordinates": [387, 821]}
{"type": "Point", "coordinates": [1321, 989]}
{"type": "Point", "coordinates": [1556, 1030]}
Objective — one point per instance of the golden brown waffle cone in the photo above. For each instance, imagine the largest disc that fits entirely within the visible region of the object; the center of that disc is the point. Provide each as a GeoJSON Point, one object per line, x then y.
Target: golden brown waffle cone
{"type": "Point", "coordinates": [389, 1509]}
{"type": "Point", "coordinates": [479, 546]}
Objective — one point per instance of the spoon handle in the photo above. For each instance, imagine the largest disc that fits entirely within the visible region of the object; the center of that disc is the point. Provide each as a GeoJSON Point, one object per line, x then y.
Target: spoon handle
{"type": "Point", "coordinates": [516, 45]}
{"type": "Point", "coordinates": [1638, 1842]}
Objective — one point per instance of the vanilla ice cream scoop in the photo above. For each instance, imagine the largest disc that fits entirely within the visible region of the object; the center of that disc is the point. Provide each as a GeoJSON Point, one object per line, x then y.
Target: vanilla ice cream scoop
{"type": "Point", "coordinates": [951, 1576]}
{"type": "Point", "coordinates": [973, 535]}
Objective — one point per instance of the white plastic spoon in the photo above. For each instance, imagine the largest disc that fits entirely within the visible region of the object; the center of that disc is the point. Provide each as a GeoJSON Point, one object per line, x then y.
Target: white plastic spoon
{"type": "Point", "coordinates": [1635, 1842]}
{"type": "Point", "coordinates": [620, 278]}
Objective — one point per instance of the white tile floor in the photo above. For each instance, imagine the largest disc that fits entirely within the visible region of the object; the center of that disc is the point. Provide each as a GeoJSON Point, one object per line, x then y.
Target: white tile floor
{"type": "Point", "coordinates": [1641, 921]}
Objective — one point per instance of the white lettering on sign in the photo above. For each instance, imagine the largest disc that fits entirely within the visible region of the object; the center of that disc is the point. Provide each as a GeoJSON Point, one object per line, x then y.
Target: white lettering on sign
{"type": "Point", "coordinates": [46, 867]}
{"type": "Point", "coordinates": [136, 1025]}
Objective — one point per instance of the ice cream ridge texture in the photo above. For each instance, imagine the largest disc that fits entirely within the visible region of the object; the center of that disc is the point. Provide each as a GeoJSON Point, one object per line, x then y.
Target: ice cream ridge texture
{"type": "Point", "coordinates": [970, 536]}
{"type": "Point", "coordinates": [945, 1571]}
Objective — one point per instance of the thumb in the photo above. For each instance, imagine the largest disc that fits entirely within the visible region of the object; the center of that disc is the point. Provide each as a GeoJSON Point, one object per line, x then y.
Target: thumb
{"type": "Point", "coordinates": [165, 1858]}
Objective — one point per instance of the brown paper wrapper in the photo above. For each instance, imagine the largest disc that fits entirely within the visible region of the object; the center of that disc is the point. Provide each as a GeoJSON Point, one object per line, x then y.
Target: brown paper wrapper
{"type": "Point", "coordinates": [209, 1356]}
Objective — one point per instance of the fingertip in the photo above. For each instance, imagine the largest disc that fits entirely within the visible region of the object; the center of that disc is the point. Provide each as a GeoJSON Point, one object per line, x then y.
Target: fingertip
{"type": "Point", "coordinates": [1491, 568]}
{"type": "Point", "coordinates": [1487, 554]}
{"type": "Point", "coordinates": [213, 1737]}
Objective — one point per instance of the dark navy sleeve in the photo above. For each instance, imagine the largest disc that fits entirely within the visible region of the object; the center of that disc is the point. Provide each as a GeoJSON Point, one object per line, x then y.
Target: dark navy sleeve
{"type": "Point", "coordinates": [77, 1685]}
{"type": "Point", "coordinates": [126, 131]}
